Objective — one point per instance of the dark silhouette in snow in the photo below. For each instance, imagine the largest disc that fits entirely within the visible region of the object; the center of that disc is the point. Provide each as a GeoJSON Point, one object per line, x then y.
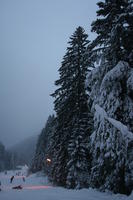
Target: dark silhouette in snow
{"type": "Point", "coordinates": [19, 187]}
{"type": "Point", "coordinates": [23, 179]}
{"type": "Point", "coordinates": [11, 179]}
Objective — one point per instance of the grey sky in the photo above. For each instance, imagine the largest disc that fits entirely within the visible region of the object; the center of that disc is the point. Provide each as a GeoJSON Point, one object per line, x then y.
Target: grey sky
{"type": "Point", "coordinates": [33, 39]}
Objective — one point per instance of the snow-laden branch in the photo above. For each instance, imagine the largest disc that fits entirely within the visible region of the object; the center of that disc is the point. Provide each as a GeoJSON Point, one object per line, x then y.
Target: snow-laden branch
{"type": "Point", "coordinates": [101, 113]}
{"type": "Point", "coordinates": [115, 74]}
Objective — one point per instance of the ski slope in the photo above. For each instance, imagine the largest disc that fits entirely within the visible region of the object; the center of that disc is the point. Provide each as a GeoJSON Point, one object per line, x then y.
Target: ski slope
{"type": "Point", "coordinates": [37, 187]}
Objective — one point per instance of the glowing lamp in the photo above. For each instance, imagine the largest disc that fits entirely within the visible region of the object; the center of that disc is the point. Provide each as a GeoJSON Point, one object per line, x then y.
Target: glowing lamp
{"type": "Point", "coordinates": [48, 160]}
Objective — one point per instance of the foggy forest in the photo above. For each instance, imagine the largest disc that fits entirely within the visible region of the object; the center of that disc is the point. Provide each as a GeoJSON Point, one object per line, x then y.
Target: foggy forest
{"type": "Point", "coordinates": [66, 129]}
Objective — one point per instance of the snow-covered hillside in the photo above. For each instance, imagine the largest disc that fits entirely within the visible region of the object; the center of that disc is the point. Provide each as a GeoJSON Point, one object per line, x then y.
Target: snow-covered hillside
{"type": "Point", "coordinates": [36, 187]}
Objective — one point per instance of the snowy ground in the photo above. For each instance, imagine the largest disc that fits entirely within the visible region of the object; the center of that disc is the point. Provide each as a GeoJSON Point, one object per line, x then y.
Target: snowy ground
{"type": "Point", "coordinates": [36, 187]}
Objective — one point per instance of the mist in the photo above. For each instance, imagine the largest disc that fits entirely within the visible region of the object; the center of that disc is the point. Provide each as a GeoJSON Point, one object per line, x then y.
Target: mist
{"type": "Point", "coordinates": [33, 39]}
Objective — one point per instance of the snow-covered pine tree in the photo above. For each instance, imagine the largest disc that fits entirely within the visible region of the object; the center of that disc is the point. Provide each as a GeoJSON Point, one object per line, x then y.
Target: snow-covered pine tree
{"type": "Point", "coordinates": [39, 160]}
{"type": "Point", "coordinates": [115, 30]}
{"type": "Point", "coordinates": [110, 86]}
{"type": "Point", "coordinates": [109, 149]}
{"type": "Point", "coordinates": [49, 146]}
{"type": "Point", "coordinates": [74, 123]}
{"type": "Point", "coordinates": [112, 166]}
{"type": "Point", "coordinates": [115, 42]}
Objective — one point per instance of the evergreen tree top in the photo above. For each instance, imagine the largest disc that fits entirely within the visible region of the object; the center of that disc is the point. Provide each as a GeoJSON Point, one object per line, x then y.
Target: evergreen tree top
{"type": "Point", "coordinates": [76, 54]}
{"type": "Point", "coordinates": [79, 37]}
{"type": "Point", "coordinates": [114, 27]}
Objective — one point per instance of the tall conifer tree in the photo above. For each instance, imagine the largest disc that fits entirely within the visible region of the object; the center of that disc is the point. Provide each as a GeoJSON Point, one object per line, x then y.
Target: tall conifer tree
{"type": "Point", "coordinates": [73, 128]}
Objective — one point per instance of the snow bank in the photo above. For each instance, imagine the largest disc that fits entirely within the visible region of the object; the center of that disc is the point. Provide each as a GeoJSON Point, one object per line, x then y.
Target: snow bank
{"type": "Point", "coordinates": [52, 193]}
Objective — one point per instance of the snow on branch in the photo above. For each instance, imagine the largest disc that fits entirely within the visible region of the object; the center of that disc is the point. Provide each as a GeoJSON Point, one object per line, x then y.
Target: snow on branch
{"type": "Point", "coordinates": [130, 81]}
{"type": "Point", "coordinates": [117, 73]}
{"type": "Point", "coordinates": [101, 113]}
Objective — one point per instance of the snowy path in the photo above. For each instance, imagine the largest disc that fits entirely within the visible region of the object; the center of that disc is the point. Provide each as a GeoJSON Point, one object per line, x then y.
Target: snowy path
{"type": "Point", "coordinates": [37, 188]}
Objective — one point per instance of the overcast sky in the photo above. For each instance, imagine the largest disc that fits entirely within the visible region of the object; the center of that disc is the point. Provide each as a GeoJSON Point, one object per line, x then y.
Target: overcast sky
{"type": "Point", "coordinates": [33, 39]}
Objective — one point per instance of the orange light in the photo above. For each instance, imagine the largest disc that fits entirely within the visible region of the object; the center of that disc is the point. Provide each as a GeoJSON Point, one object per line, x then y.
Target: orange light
{"type": "Point", "coordinates": [48, 160]}
{"type": "Point", "coordinates": [37, 187]}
